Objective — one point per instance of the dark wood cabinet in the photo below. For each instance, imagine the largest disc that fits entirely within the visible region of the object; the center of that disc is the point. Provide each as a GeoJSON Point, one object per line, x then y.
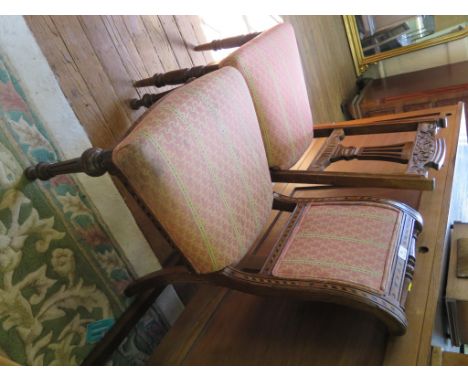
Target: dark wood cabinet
{"type": "Point", "coordinates": [221, 327]}
{"type": "Point", "coordinates": [439, 86]}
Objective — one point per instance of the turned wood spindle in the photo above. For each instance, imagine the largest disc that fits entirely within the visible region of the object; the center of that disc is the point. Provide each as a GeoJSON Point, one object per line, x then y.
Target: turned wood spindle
{"type": "Point", "coordinates": [93, 162]}
{"type": "Point", "coordinates": [147, 100]}
{"type": "Point", "coordinates": [175, 77]}
{"type": "Point", "coordinates": [227, 43]}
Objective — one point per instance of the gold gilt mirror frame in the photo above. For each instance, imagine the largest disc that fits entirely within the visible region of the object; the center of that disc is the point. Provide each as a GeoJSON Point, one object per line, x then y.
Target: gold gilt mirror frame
{"type": "Point", "coordinates": [361, 61]}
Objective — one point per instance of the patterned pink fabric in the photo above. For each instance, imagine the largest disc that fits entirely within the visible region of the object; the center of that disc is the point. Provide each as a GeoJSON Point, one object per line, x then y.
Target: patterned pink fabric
{"type": "Point", "coordinates": [348, 242]}
{"type": "Point", "coordinates": [271, 65]}
{"type": "Point", "coordinates": [197, 160]}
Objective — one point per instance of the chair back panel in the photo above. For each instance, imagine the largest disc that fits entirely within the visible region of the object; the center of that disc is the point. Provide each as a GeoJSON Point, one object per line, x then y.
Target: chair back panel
{"type": "Point", "coordinates": [271, 65]}
{"type": "Point", "coordinates": [197, 160]}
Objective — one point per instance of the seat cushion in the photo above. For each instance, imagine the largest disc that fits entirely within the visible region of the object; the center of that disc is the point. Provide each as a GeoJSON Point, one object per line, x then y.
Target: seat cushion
{"type": "Point", "coordinates": [196, 158]}
{"type": "Point", "coordinates": [271, 65]}
{"type": "Point", "coordinates": [352, 243]}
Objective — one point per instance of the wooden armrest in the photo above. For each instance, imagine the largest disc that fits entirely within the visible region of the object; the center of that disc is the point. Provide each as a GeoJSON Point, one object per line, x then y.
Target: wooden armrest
{"type": "Point", "coordinates": [379, 125]}
{"type": "Point", "coordinates": [354, 179]}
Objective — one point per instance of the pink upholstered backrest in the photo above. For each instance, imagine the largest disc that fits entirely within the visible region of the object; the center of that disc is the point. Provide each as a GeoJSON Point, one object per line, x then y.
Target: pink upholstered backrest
{"type": "Point", "coordinates": [271, 65]}
{"type": "Point", "coordinates": [197, 160]}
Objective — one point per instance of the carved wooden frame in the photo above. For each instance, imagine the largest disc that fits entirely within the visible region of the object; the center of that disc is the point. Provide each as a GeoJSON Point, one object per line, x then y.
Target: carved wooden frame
{"type": "Point", "coordinates": [389, 307]}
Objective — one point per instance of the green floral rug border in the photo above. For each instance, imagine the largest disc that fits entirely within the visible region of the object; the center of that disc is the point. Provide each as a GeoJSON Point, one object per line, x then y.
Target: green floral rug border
{"type": "Point", "coordinates": [60, 267]}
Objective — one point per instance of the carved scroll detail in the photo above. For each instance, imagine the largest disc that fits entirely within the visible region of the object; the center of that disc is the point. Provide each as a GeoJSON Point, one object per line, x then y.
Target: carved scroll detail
{"type": "Point", "coordinates": [323, 158]}
{"type": "Point", "coordinates": [333, 151]}
{"type": "Point", "coordinates": [427, 151]}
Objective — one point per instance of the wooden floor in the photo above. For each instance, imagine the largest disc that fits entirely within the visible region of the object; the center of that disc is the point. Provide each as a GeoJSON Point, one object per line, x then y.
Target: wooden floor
{"type": "Point", "coordinates": [96, 59]}
{"type": "Point", "coordinates": [233, 328]}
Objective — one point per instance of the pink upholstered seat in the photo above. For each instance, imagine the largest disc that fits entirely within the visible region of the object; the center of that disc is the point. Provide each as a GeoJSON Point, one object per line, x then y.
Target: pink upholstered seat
{"type": "Point", "coordinates": [197, 160]}
{"type": "Point", "coordinates": [342, 242]}
{"type": "Point", "coordinates": [271, 66]}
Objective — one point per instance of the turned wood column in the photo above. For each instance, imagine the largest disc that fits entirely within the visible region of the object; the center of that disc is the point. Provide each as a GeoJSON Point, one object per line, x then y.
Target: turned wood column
{"type": "Point", "coordinates": [175, 77]}
{"type": "Point", "coordinates": [93, 162]}
{"type": "Point", "coordinates": [226, 43]}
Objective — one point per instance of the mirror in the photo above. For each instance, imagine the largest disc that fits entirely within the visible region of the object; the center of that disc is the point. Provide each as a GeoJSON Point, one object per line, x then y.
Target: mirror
{"type": "Point", "coordinates": [375, 38]}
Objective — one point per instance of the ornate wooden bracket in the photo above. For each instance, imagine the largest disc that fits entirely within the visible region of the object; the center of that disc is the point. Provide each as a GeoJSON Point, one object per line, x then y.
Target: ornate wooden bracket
{"type": "Point", "coordinates": [94, 162]}
{"type": "Point", "coordinates": [176, 77]}
{"type": "Point", "coordinates": [333, 151]}
{"type": "Point", "coordinates": [428, 151]}
{"type": "Point", "coordinates": [425, 151]}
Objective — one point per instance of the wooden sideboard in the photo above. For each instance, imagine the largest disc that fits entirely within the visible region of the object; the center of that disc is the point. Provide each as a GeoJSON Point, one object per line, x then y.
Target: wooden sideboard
{"type": "Point", "coordinates": [456, 296]}
{"type": "Point", "coordinates": [439, 86]}
{"type": "Point", "coordinates": [226, 327]}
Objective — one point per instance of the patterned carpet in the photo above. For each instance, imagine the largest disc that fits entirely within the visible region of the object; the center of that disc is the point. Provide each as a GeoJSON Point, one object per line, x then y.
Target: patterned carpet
{"type": "Point", "coordinates": [60, 267]}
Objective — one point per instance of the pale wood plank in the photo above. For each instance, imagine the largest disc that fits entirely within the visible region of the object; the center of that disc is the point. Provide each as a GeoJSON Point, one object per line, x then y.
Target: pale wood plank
{"type": "Point", "coordinates": [111, 61]}
{"type": "Point", "coordinates": [190, 39]}
{"type": "Point", "coordinates": [95, 76]}
{"type": "Point", "coordinates": [160, 43]}
{"type": "Point", "coordinates": [125, 45]}
{"type": "Point", "coordinates": [176, 41]}
{"type": "Point", "coordinates": [143, 44]}
{"type": "Point", "coordinates": [196, 23]}
{"type": "Point", "coordinates": [71, 80]}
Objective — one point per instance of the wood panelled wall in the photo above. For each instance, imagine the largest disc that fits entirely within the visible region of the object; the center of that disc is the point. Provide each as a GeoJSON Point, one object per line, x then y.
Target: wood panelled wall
{"type": "Point", "coordinates": [327, 63]}
{"type": "Point", "coordinates": [96, 59]}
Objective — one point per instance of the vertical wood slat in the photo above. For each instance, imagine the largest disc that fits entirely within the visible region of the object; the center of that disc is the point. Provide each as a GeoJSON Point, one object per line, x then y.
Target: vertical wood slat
{"type": "Point", "coordinates": [176, 42]}
{"type": "Point", "coordinates": [190, 39]}
{"type": "Point", "coordinates": [143, 44]}
{"type": "Point", "coordinates": [71, 80]}
{"type": "Point", "coordinates": [160, 42]}
{"type": "Point", "coordinates": [196, 23]}
{"type": "Point", "coordinates": [111, 61]}
{"type": "Point", "coordinates": [327, 64]}
{"type": "Point", "coordinates": [126, 48]}
{"type": "Point", "coordinates": [95, 76]}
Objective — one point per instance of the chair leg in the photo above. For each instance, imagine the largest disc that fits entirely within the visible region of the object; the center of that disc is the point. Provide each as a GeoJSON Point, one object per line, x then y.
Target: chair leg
{"type": "Point", "coordinates": [147, 100]}
{"type": "Point", "coordinates": [175, 77]}
{"type": "Point", "coordinates": [93, 162]}
{"type": "Point", "coordinates": [226, 43]}
{"type": "Point", "coordinates": [163, 277]}
{"type": "Point", "coordinates": [112, 339]}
